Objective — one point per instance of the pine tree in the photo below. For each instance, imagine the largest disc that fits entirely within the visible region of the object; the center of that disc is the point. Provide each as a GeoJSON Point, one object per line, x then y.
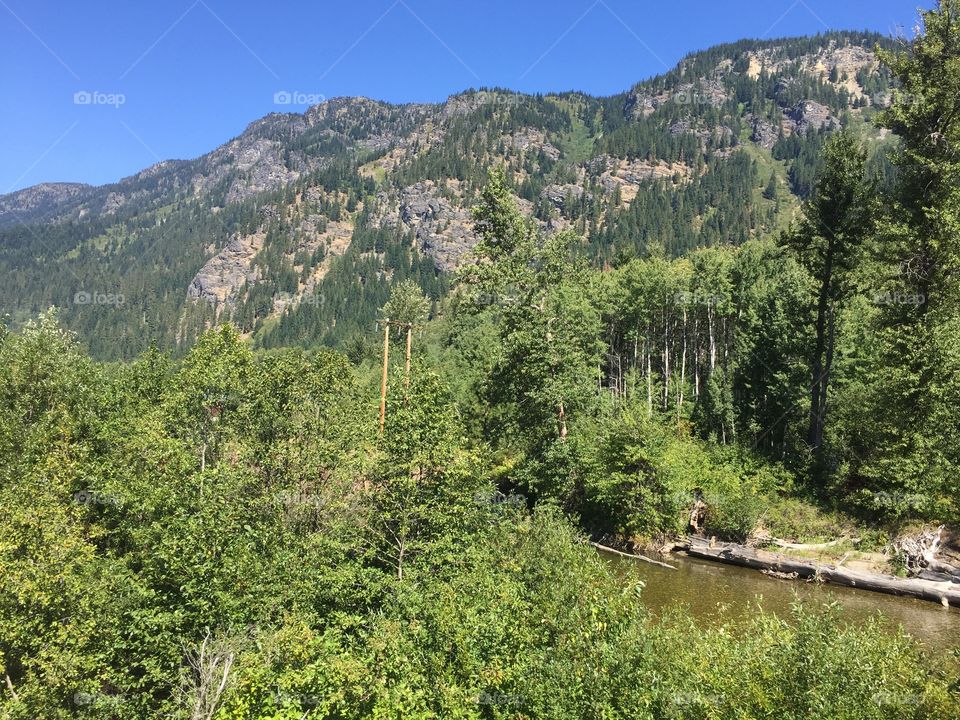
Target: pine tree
{"type": "Point", "coordinates": [828, 241]}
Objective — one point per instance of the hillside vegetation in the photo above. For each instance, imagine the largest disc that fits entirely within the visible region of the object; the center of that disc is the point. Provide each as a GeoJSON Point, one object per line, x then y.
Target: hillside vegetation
{"type": "Point", "coordinates": [296, 230]}
{"type": "Point", "coordinates": [224, 528]}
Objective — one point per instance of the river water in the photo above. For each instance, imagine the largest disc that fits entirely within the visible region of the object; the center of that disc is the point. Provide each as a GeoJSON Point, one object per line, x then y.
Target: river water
{"type": "Point", "coordinates": [703, 587]}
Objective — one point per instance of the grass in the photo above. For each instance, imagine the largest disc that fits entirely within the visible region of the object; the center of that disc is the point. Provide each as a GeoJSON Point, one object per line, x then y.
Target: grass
{"type": "Point", "coordinates": [577, 144]}
{"type": "Point", "coordinates": [767, 166]}
{"type": "Point", "coordinates": [377, 172]}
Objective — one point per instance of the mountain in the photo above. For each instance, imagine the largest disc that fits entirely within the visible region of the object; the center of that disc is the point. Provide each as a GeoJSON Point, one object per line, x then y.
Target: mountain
{"type": "Point", "coordinates": [296, 229]}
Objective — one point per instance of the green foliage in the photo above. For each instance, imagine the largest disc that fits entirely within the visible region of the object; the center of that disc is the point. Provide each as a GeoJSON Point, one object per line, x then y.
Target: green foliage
{"type": "Point", "coordinates": [796, 520]}
{"type": "Point", "coordinates": [407, 305]}
{"type": "Point", "coordinates": [310, 568]}
{"type": "Point", "coordinates": [538, 302]}
{"type": "Point", "coordinates": [903, 430]}
{"type": "Point", "coordinates": [226, 534]}
{"type": "Point", "coordinates": [646, 477]}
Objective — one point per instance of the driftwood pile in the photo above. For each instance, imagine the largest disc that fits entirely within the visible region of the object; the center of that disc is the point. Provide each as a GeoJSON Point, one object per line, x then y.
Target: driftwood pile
{"type": "Point", "coordinates": [918, 553]}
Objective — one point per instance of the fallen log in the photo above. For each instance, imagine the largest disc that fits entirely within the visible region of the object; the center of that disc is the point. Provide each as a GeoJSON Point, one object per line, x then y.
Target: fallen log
{"type": "Point", "coordinates": [941, 568]}
{"type": "Point", "coordinates": [808, 546]}
{"type": "Point", "coordinates": [945, 593]}
{"type": "Point", "coordinates": [635, 557]}
{"type": "Point", "coordinates": [938, 577]}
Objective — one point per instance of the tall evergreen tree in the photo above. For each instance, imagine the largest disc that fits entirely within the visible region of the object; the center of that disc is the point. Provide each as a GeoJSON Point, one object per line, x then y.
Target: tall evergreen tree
{"type": "Point", "coordinates": [828, 241]}
{"type": "Point", "coordinates": [912, 443]}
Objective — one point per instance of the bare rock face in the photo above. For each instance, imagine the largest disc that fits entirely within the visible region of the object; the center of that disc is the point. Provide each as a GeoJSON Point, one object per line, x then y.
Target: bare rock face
{"type": "Point", "coordinates": [468, 102]}
{"type": "Point", "coordinates": [26, 204]}
{"type": "Point", "coordinates": [764, 133]}
{"type": "Point", "coordinates": [443, 230]}
{"type": "Point", "coordinates": [528, 140]}
{"type": "Point", "coordinates": [626, 176]}
{"type": "Point", "coordinates": [558, 195]}
{"type": "Point", "coordinates": [700, 131]}
{"type": "Point", "coordinates": [261, 158]}
{"type": "Point", "coordinates": [462, 104]}
{"type": "Point", "coordinates": [419, 205]}
{"type": "Point", "coordinates": [113, 203]}
{"type": "Point", "coordinates": [840, 61]}
{"type": "Point", "coordinates": [642, 102]}
{"type": "Point", "coordinates": [256, 166]}
{"type": "Point", "coordinates": [443, 227]}
{"type": "Point", "coordinates": [810, 115]}
{"type": "Point", "coordinates": [221, 278]}
{"type": "Point", "coordinates": [637, 171]}
{"type": "Point", "coordinates": [708, 92]}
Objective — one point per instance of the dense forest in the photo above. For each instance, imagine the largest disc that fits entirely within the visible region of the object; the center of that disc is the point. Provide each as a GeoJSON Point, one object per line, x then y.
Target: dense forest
{"type": "Point", "coordinates": [242, 530]}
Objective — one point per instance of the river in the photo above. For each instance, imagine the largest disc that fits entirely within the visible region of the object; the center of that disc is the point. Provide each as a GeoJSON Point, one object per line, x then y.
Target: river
{"type": "Point", "coordinates": [703, 586]}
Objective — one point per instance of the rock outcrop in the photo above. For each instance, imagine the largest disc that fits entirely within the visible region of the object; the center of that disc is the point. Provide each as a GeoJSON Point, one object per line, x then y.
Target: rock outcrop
{"type": "Point", "coordinates": [560, 195]}
{"type": "Point", "coordinates": [40, 201]}
{"type": "Point", "coordinates": [764, 133]}
{"type": "Point", "coordinates": [444, 231]}
{"type": "Point", "coordinates": [225, 273]}
{"type": "Point", "coordinates": [810, 115]}
{"type": "Point", "coordinates": [531, 140]}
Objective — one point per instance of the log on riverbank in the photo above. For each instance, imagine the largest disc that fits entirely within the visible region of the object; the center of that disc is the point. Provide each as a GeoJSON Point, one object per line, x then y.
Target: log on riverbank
{"type": "Point", "coordinates": [644, 558]}
{"type": "Point", "coordinates": [945, 593]}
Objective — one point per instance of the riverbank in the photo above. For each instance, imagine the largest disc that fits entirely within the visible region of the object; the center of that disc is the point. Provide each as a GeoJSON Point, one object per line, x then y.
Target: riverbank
{"type": "Point", "coordinates": [715, 593]}
{"type": "Point", "coordinates": [946, 592]}
{"type": "Point", "coordinates": [837, 562]}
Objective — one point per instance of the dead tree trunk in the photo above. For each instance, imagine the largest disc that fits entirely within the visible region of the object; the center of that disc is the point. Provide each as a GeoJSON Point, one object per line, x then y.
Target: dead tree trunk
{"type": "Point", "coordinates": [383, 381]}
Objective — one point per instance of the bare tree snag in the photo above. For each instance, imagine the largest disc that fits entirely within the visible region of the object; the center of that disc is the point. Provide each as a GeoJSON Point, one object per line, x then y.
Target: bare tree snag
{"type": "Point", "coordinates": [383, 381]}
{"type": "Point", "coordinates": [406, 377]}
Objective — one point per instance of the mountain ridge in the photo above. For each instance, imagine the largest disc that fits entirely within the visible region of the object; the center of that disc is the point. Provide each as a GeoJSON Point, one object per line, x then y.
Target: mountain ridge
{"type": "Point", "coordinates": [746, 42]}
{"type": "Point", "coordinates": [353, 194]}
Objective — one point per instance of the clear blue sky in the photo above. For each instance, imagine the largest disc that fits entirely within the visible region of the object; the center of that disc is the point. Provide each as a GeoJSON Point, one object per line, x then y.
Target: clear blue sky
{"type": "Point", "coordinates": [193, 73]}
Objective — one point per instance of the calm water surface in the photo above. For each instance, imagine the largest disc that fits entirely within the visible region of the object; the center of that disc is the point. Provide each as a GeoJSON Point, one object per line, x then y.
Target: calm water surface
{"type": "Point", "coordinates": [704, 586]}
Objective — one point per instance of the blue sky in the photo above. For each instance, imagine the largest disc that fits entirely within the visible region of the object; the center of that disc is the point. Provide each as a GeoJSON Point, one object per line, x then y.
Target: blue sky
{"type": "Point", "coordinates": [174, 79]}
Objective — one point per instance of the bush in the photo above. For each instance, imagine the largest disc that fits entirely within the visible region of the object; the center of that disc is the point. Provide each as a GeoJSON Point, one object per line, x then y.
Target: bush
{"type": "Point", "coordinates": [733, 515]}
{"type": "Point", "coordinates": [798, 521]}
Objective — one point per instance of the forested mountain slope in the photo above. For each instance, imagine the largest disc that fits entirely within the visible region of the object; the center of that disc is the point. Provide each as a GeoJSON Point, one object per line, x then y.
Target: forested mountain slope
{"type": "Point", "coordinates": [296, 229]}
